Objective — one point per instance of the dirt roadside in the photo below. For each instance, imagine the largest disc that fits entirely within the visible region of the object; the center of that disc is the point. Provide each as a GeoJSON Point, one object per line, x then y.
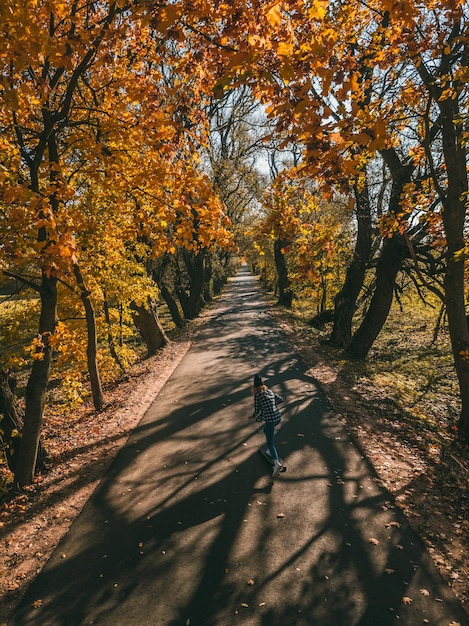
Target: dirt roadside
{"type": "Point", "coordinates": [32, 525]}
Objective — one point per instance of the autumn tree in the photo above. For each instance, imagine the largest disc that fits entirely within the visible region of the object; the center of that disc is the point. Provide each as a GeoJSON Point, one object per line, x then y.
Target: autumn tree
{"type": "Point", "coordinates": [314, 234]}
{"type": "Point", "coordinates": [316, 66]}
{"type": "Point", "coordinates": [82, 109]}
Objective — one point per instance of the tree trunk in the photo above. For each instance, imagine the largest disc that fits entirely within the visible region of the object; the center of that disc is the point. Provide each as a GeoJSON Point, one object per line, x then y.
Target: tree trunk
{"type": "Point", "coordinates": [149, 326]}
{"type": "Point", "coordinates": [193, 302]}
{"type": "Point", "coordinates": [11, 424]}
{"type": "Point", "coordinates": [110, 338]}
{"type": "Point", "coordinates": [208, 274]}
{"type": "Point", "coordinates": [285, 294]}
{"type": "Point", "coordinates": [37, 385]}
{"type": "Point", "coordinates": [92, 341]}
{"type": "Point", "coordinates": [346, 300]}
{"type": "Point", "coordinates": [171, 304]}
{"type": "Point", "coordinates": [393, 252]}
{"type": "Point", "coordinates": [454, 212]}
{"type": "Point", "coordinates": [390, 262]}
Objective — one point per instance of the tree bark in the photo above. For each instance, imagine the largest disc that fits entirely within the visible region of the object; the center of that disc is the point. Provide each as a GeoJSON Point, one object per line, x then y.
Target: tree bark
{"type": "Point", "coordinates": [392, 255]}
{"type": "Point", "coordinates": [92, 341]}
{"type": "Point", "coordinates": [389, 264]}
{"type": "Point", "coordinates": [208, 274]}
{"type": "Point", "coordinates": [110, 338]}
{"type": "Point", "coordinates": [147, 321]}
{"type": "Point", "coordinates": [454, 200]}
{"type": "Point", "coordinates": [346, 300]}
{"type": "Point", "coordinates": [285, 294]}
{"type": "Point", "coordinates": [11, 424]}
{"type": "Point", "coordinates": [454, 212]}
{"type": "Point", "coordinates": [37, 385]}
{"type": "Point", "coordinates": [193, 302]}
{"type": "Point", "coordinates": [171, 304]}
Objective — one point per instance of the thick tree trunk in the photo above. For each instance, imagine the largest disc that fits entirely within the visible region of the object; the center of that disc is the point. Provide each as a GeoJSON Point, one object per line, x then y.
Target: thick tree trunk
{"type": "Point", "coordinates": [285, 294]}
{"type": "Point", "coordinates": [393, 252]}
{"type": "Point", "coordinates": [346, 300]}
{"type": "Point", "coordinates": [163, 272]}
{"type": "Point", "coordinates": [454, 213]}
{"type": "Point", "coordinates": [171, 304]}
{"type": "Point", "coordinates": [11, 424]}
{"type": "Point", "coordinates": [193, 302]}
{"type": "Point", "coordinates": [147, 321]}
{"type": "Point", "coordinates": [389, 264]}
{"type": "Point", "coordinates": [92, 341]}
{"type": "Point", "coordinates": [37, 385]}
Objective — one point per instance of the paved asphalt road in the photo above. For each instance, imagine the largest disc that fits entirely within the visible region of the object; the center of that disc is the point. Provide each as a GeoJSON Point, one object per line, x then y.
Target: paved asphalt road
{"type": "Point", "coordinates": [188, 528]}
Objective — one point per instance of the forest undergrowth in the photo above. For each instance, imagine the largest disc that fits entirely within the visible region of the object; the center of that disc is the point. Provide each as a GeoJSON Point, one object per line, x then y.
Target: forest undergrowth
{"type": "Point", "coordinates": [400, 406]}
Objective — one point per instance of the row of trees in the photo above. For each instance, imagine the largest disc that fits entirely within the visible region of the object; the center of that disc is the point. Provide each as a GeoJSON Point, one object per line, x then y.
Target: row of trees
{"type": "Point", "coordinates": [377, 95]}
{"type": "Point", "coordinates": [105, 207]}
{"type": "Point", "coordinates": [128, 164]}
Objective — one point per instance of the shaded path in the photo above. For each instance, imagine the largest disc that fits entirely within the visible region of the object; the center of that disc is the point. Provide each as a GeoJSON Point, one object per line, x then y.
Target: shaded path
{"type": "Point", "coordinates": [187, 528]}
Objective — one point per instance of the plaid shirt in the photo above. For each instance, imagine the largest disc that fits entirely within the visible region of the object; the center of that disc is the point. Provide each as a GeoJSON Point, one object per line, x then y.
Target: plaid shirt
{"type": "Point", "coordinates": [265, 406]}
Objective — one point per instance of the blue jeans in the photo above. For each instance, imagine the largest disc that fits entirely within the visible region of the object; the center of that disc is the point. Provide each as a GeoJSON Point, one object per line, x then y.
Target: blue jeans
{"type": "Point", "coordinates": [269, 430]}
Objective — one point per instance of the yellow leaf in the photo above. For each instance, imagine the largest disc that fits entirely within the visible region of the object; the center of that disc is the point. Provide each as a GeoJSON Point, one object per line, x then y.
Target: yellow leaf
{"type": "Point", "coordinates": [169, 16]}
{"type": "Point", "coordinates": [318, 10]}
{"type": "Point", "coordinates": [274, 16]}
{"type": "Point", "coordinates": [284, 49]}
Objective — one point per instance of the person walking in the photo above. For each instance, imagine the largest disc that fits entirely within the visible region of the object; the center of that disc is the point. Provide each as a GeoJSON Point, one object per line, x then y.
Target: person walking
{"type": "Point", "coordinates": [267, 411]}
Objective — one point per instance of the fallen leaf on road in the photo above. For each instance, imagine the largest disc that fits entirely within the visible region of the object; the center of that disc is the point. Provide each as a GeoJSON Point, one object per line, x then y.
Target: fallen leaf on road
{"type": "Point", "coordinates": [261, 604]}
{"type": "Point", "coordinates": [245, 605]}
{"type": "Point", "coordinates": [424, 592]}
{"type": "Point", "coordinates": [373, 540]}
{"type": "Point", "coordinates": [388, 570]}
{"type": "Point", "coordinates": [37, 604]}
{"type": "Point", "coordinates": [280, 515]}
{"type": "Point", "coordinates": [392, 525]}
{"type": "Point", "coordinates": [251, 582]}
{"type": "Point", "coordinates": [406, 600]}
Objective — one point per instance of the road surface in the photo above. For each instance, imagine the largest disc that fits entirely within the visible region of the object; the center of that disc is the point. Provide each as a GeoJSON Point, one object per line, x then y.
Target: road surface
{"type": "Point", "coordinates": [188, 528]}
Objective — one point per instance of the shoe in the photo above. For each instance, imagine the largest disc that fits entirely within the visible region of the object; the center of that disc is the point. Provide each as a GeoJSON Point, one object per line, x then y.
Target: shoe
{"type": "Point", "coordinates": [277, 469]}
{"type": "Point", "coordinates": [267, 452]}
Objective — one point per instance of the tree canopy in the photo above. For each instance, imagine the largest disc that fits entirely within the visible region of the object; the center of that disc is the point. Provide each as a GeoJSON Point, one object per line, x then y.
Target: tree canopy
{"type": "Point", "coordinates": [131, 135]}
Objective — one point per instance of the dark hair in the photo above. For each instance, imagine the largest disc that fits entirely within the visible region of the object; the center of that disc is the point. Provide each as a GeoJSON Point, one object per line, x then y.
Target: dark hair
{"type": "Point", "coordinates": [258, 381]}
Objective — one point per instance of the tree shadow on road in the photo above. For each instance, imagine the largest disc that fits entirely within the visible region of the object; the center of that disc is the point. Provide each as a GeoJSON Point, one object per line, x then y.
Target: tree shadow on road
{"type": "Point", "coordinates": [187, 527]}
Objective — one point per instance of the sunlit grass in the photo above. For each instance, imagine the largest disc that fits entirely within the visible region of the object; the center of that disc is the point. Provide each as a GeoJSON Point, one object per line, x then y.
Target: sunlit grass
{"type": "Point", "coordinates": [407, 371]}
